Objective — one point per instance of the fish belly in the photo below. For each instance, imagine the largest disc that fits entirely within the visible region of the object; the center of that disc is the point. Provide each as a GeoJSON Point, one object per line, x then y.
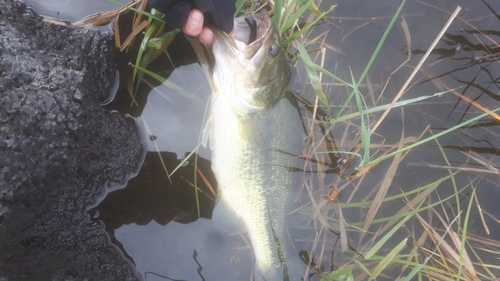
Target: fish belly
{"type": "Point", "coordinates": [256, 177]}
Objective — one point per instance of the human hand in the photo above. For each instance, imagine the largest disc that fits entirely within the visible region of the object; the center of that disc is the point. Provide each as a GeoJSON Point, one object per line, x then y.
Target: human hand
{"type": "Point", "coordinates": [191, 15]}
{"type": "Point", "coordinates": [194, 27]}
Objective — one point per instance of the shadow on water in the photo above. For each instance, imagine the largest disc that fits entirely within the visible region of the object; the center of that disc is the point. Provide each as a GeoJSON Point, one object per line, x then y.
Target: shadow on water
{"type": "Point", "coordinates": [152, 197]}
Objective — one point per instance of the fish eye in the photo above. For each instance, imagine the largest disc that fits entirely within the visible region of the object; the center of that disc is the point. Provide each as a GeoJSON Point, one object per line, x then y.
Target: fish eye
{"type": "Point", "coordinates": [274, 50]}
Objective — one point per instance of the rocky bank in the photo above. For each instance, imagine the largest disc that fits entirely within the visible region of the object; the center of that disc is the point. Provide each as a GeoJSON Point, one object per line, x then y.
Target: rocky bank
{"type": "Point", "coordinates": [59, 150]}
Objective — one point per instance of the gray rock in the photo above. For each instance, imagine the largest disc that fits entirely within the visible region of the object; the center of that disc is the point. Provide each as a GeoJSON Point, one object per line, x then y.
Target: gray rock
{"type": "Point", "coordinates": [59, 150]}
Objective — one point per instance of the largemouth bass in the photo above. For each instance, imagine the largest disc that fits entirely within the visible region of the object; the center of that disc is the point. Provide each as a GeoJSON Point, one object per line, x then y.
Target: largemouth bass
{"type": "Point", "coordinates": [253, 144]}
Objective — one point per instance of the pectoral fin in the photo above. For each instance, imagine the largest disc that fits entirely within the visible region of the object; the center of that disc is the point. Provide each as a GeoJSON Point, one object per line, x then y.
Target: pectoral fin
{"type": "Point", "coordinates": [225, 218]}
{"type": "Point", "coordinates": [208, 133]}
{"type": "Point", "coordinates": [249, 133]}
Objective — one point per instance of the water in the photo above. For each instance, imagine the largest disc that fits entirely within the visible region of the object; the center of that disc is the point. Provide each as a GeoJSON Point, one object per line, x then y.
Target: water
{"type": "Point", "coordinates": [72, 10]}
{"type": "Point", "coordinates": [162, 232]}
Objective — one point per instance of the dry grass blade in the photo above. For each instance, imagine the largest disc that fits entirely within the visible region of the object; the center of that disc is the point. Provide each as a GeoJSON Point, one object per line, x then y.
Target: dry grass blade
{"type": "Point", "coordinates": [417, 68]}
{"type": "Point", "coordinates": [205, 180]}
{"type": "Point", "coordinates": [130, 91]}
{"type": "Point", "coordinates": [441, 85]}
{"type": "Point", "coordinates": [386, 183]}
{"type": "Point", "coordinates": [148, 130]}
{"type": "Point", "coordinates": [481, 160]}
{"type": "Point", "coordinates": [383, 240]}
{"type": "Point", "coordinates": [138, 16]}
{"type": "Point", "coordinates": [57, 21]}
{"type": "Point", "coordinates": [168, 83]}
{"type": "Point", "coordinates": [411, 205]}
{"type": "Point", "coordinates": [116, 31]}
{"type": "Point", "coordinates": [418, 245]}
{"type": "Point", "coordinates": [159, 51]}
{"type": "Point", "coordinates": [343, 233]}
{"type": "Point", "coordinates": [205, 60]}
{"type": "Point", "coordinates": [438, 240]}
{"type": "Point", "coordinates": [315, 110]}
{"type": "Point", "coordinates": [481, 215]}
{"type": "Point", "coordinates": [436, 276]}
{"type": "Point", "coordinates": [317, 208]}
{"type": "Point", "coordinates": [96, 19]}
{"type": "Point", "coordinates": [137, 20]}
{"type": "Point", "coordinates": [156, 90]}
{"type": "Point", "coordinates": [467, 23]}
{"type": "Point", "coordinates": [456, 257]}
{"type": "Point", "coordinates": [132, 35]}
{"type": "Point", "coordinates": [464, 256]}
{"type": "Point", "coordinates": [210, 196]}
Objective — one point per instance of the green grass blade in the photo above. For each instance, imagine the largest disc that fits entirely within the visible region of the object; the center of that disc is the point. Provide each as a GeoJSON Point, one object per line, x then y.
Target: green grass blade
{"type": "Point", "coordinates": [160, 40]}
{"type": "Point", "coordinates": [381, 42]}
{"type": "Point", "coordinates": [142, 60]}
{"type": "Point", "coordinates": [386, 237]}
{"type": "Point", "coordinates": [278, 5]}
{"type": "Point", "coordinates": [364, 130]}
{"type": "Point", "coordinates": [239, 4]}
{"type": "Point", "coordinates": [169, 84]}
{"type": "Point", "coordinates": [362, 266]}
{"type": "Point", "coordinates": [394, 197]}
{"type": "Point", "coordinates": [372, 58]}
{"type": "Point", "coordinates": [384, 107]}
{"type": "Point", "coordinates": [305, 28]}
{"type": "Point", "coordinates": [388, 258]}
{"type": "Point", "coordinates": [433, 136]}
{"type": "Point", "coordinates": [326, 72]}
{"type": "Point", "coordinates": [185, 159]}
{"type": "Point", "coordinates": [195, 175]}
{"type": "Point", "coordinates": [288, 20]}
{"type": "Point", "coordinates": [341, 274]}
{"type": "Point", "coordinates": [413, 212]}
{"type": "Point", "coordinates": [313, 75]}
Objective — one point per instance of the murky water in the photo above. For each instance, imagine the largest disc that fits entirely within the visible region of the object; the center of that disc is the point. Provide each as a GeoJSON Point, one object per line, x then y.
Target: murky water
{"type": "Point", "coordinates": [154, 219]}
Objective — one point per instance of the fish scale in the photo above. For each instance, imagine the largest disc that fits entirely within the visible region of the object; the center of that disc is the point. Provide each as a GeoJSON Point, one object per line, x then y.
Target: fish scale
{"type": "Point", "coordinates": [255, 182]}
{"type": "Point", "coordinates": [254, 133]}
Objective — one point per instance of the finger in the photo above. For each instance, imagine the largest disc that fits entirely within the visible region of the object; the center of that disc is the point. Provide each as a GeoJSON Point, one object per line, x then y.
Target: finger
{"type": "Point", "coordinates": [207, 36]}
{"type": "Point", "coordinates": [194, 23]}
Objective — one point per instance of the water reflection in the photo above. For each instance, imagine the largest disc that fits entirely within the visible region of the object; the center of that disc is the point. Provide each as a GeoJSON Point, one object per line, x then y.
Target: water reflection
{"type": "Point", "coordinates": [153, 199]}
{"type": "Point", "coordinates": [168, 115]}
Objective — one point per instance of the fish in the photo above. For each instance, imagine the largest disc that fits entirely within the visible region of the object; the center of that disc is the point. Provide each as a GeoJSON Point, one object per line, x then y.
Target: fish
{"type": "Point", "coordinates": [254, 143]}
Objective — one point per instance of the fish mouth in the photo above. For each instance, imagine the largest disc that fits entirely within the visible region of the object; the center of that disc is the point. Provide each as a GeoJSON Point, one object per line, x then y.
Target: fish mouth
{"type": "Point", "coordinates": [248, 35]}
